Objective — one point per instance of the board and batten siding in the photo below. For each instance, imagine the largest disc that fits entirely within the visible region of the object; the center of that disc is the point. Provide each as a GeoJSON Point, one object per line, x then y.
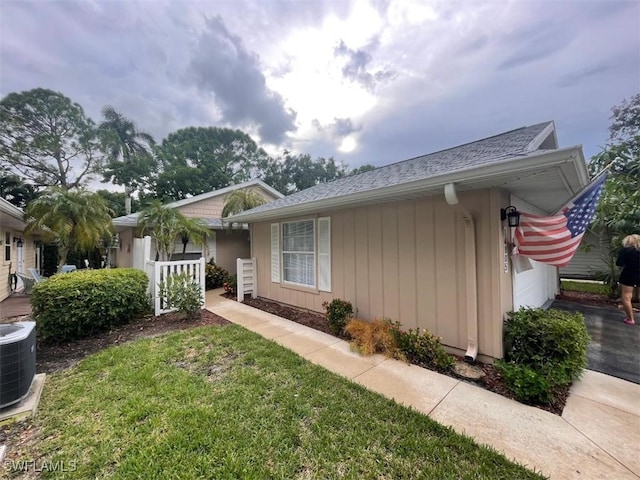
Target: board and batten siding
{"type": "Point", "coordinates": [406, 261]}
{"type": "Point", "coordinates": [587, 264]}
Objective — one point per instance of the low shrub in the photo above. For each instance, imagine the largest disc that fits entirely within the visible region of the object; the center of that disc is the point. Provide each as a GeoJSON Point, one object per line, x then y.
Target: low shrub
{"type": "Point", "coordinates": [231, 285]}
{"type": "Point", "coordinates": [544, 350]}
{"type": "Point", "coordinates": [74, 305]}
{"type": "Point", "coordinates": [370, 337]}
{"type": "Point", "coordinates": [215, 275]}
{"type": "Point", "coordinates": [338, 314]}
{"type": "Point", "coordinates": [420, 347]}
{"type": "Point", "coordinates": [182, 293]}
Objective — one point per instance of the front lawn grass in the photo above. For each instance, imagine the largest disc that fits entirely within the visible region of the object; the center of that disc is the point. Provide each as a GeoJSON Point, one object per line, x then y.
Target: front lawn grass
{"type": "Point", "coordinates": [589, 287]}
{"type": "Point", "coordinates": [218, 402]}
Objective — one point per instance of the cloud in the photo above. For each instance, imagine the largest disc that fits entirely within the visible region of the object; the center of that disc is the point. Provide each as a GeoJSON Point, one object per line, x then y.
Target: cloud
{"type": "Point", "coordinates": [222, 66]}
{"type": "Point", "coordinates": [535, 43]}
{"type": "Point", "coordinates": [339, 128]}
{"type": "Point", "coordinates": [355, 68]}
{"type": "Point", "coordinates": [574, 78]}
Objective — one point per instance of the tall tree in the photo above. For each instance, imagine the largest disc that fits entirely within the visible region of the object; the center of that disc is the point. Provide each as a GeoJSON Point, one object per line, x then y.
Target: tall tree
{"type": "Point", "coordinates": [47, 139]}
{"type": "Point", "coordinates": [76, 220]}
{"type": "Point", "coordinates": [619, 206]}
{"type": "Point", "coordinates": [115, 201]}
{"type": "Point", "coordinates": [292, 173]}
{"type": "Point", "coordinates": [362, 169]}
{"type": "Point", "coordinates": [130, 150]}
{"type": "Point", "coordinates": [14, 190]}
{"type": "Point", "coordinates": [618, 211]}
{"type": "Point", "coordinates": [196, 160]}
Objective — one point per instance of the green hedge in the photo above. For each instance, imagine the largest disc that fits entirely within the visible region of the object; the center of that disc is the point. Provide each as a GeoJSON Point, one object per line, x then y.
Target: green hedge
{"type": "Point", "coordinates": [544, 350]}
{"type": "Point", "coordinates": [74, 305]}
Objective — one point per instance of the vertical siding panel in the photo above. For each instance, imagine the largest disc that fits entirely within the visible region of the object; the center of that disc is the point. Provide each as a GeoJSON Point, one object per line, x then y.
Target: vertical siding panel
{"type": "Point", "coordinates": [407, 266]}
{"type": "Point", "coordinates": [349, 260]}
{"type": "Point", "coordinates": [362, 263]}
{"type": "Point", "coordinates": [425, 265]}
{"type": "Point", "coordinates": [459, 330]}
{"type": "Point", "coordinates": [376, 300]}
{"type": "Point", "coordinates": [390, 260]}
{"type": "Point", "coordinates": [447, 295]}
{"type": "Point", "coordinates": [338, 256]}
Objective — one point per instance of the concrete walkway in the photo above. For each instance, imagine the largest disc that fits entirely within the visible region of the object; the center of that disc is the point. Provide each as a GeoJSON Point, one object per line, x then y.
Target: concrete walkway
{"type": "Point", "coordinates": [596, 437]}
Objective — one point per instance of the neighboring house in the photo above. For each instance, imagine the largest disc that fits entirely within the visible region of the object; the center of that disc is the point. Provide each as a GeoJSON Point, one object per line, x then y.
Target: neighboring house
{"type": "Point", "coordinates": [224, 245]}
{"type": "Point", "coordinates": [590, 259]}
{"type": "Point", "coordinates": [19, 251]}
{"type": "Point", "coordinates": [421, 241]}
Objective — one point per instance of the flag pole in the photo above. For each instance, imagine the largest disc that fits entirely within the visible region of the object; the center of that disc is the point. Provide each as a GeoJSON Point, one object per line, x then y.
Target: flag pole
{"type": "Point", "coordinates": [603, 172]}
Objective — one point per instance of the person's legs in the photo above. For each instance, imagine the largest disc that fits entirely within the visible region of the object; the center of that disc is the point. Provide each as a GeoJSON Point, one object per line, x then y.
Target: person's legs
{"type": "Point", "coordinates": [627, 293]}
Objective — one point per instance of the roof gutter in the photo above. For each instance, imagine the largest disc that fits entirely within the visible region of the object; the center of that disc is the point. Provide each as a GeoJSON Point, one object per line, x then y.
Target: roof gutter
{"type": "Point", "coordinates": [512, 165]}
{"type": "Point", "coordinates": [471, 289]}
{"type": "Point", "coordinates": [10, 209]}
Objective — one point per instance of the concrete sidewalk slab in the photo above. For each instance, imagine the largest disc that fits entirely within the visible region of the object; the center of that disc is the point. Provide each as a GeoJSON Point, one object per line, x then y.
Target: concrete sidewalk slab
{"type": "Point", "coordinates": [613, 430]}
{"type": "Point", "coordinates": [407, 384]}
{"type": "Point", "coordinates": [306, 341]}
{"type": "Point", "coordinates": [539, 439]}
{"type": "Point", "coordinates": [607, 390]}
{"type": "Point", "coordinates": [272, 330]}
{"type": "Point", "coordinates": [26, 407]}
{"type": "Point", "coordinates": [340, 359]}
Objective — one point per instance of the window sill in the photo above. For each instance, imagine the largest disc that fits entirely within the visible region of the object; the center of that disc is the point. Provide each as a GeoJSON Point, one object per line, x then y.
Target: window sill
{"type": "Point", "coordinates": [299, 288]}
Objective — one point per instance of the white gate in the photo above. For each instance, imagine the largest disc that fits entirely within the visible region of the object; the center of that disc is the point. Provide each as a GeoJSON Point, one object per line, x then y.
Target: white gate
{"type": "Point", "coordinates": [246, 268]}
{"type": "Point", "coordinates": [158, 273]}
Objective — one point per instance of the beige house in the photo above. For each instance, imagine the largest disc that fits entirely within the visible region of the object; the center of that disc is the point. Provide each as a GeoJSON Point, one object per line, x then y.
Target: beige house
{"type": "Point", "coordinates": [19, 251]}
{"type": "Point", "coordinates": [421, 241]}
{"type": "Point", "coordinates": [223, 245]}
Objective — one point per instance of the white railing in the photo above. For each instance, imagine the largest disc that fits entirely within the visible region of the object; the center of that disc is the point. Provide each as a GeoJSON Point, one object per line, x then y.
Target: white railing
{"type": "Point", "coordinates": [158, 273]}
{"type": "Point", "coordinates": [247, 281]}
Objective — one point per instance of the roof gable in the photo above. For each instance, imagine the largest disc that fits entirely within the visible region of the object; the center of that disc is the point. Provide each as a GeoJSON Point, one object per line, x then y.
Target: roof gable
{"type": "Point", "coordinates": [191, 203]}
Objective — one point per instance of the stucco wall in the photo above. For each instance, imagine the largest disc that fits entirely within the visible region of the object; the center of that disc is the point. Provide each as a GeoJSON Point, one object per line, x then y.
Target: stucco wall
{"type": "Point", "coordinates": [231, 245]}
{"type": "Point", "coordinates": [406, 261]}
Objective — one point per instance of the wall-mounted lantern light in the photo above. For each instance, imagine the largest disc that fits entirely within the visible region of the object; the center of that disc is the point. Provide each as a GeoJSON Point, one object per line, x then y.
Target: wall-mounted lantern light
{"type": "Point", "coordinates": [511, 215]}
{"type": "Point", "coordinates": [18, 241]}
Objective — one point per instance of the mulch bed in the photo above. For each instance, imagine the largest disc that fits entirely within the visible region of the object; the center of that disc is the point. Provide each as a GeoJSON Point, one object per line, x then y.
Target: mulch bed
{"type": "Point", "coordinates": [492, 380]}
{"type": "Point", "coordinates": [53, 357]}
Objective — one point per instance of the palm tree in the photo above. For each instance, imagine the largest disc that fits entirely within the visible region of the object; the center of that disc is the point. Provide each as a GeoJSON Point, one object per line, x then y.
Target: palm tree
{"type": "Point", "coordinates": [192, 229]}
{"type": "Point", "coordinates": [165, 225]}
{"type": "Point", "coordinates": [76, 219]}
{"type": "Point", "coordinates": [241, 200]}
{"type": "Point", "coordinates": [125, 143]}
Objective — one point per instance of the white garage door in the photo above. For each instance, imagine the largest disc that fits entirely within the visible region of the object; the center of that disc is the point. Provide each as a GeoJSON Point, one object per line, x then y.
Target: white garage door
{"type": "Point", "coordinates": [535, 287]}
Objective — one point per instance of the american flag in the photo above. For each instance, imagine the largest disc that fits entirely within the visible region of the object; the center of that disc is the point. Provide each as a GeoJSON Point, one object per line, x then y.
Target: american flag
{"type": "Point", "coordinates": [556, 238]}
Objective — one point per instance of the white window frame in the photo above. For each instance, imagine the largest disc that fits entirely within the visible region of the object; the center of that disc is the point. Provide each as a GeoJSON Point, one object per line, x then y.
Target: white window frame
{"type": "Point", "coordinates": [314, 253]}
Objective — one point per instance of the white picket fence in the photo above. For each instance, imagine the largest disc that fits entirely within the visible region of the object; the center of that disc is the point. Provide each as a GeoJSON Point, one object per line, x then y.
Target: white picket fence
{"type": "Point", "coordinates": [247, 281]}
{"type": "Point", "coordinates": [158, 272]}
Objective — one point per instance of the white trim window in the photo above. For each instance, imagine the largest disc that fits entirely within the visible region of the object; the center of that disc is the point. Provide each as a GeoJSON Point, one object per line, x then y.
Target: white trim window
{"type": "Point", "coordinates": [299, 252]}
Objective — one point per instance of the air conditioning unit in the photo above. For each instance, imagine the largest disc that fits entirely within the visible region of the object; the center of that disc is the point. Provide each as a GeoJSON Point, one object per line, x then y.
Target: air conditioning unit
{"type": "Point", "coordinates": [17, 361]}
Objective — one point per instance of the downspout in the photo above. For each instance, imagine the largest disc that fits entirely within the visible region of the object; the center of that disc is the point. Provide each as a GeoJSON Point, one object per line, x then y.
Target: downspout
{"type": "Point", "coordinates": [471, 269]}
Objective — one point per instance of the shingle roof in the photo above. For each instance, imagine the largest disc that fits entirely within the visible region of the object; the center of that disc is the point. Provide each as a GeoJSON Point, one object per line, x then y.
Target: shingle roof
{"type": "Point", "coordinates": [508, 145]}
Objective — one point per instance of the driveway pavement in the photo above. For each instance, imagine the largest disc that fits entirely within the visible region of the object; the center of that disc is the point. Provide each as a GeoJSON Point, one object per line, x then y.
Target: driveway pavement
{"type": "Point", "coordinates": [615, 347]}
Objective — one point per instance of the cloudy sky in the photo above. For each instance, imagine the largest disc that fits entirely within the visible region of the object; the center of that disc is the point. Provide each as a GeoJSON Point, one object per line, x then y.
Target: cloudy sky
{"type": "Point", "coordinates": [363, 81]}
